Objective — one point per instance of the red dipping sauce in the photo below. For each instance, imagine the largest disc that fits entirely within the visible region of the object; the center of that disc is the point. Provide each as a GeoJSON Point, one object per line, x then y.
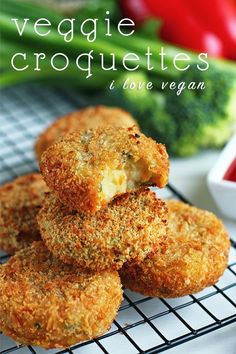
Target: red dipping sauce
{"type": "Point", "coordinates": [230, 174]}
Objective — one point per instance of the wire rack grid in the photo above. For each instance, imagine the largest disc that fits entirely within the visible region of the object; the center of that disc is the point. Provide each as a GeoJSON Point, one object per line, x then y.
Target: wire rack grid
{"type": "Point", "coordinates": [144, 324]}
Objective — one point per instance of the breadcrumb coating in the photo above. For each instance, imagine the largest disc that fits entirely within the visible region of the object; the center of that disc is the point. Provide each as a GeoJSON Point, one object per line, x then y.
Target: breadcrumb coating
{"type": "Point", "coordinates": [20, 201]}
{"type": "Point", "coordinates": [193, 256]}
{"type": "Point", "coordinates": [130, 228]}
{"type": "Point", "coordinates": [46, 303]}
{"type": "Point", "coordinates": [87, 170]}
{"type": "Point", "coordinates": [84, 119]}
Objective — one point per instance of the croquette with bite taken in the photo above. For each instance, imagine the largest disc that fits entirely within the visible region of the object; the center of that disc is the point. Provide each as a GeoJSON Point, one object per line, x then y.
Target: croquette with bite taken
{"type": "Point", "coordinates": [87, 170]}
{"type": "Point", "coordinates": [84, 119]}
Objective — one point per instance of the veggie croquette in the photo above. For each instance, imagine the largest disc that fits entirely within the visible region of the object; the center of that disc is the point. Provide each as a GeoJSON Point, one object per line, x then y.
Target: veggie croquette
{"type": "Point", "coordinates": [20, 201]}
{"type": "Point", "coordinates": [131, 227]}
{"type": "Point", "coordinates": [193, 256]}
{"type": "Point", "coordinates": [87, 170]}
{"type": "Point", "coordinates": [47, 303]}
{"type": "Point", "coordinates": [84, 119]}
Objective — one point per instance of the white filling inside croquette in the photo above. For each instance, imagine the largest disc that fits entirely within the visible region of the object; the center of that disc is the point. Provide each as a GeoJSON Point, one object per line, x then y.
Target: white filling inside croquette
{"type": "Point", "coordinates": [114, 182]}
{"type": "Point", "coordinates": [120, 181]}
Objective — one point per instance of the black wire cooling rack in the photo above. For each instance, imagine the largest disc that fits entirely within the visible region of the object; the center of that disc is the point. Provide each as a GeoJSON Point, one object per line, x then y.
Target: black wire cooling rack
{"type": "Point", "coordinates": [144, 324]}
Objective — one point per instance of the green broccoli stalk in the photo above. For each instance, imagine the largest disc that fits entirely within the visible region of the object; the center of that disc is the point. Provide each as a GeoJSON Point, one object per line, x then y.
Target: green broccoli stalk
{"type": "Point", "coordinates": [187, 122]}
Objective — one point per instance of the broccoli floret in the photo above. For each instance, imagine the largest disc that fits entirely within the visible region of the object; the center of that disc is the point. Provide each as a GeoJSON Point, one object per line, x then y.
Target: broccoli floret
{"type": "Point", "coordinates": [205, 116]}
{"type": "Point", "coordinates": [137, 100]}
{"type": "Point", "coordinates": [190, 121]}
{"type": "Point", "coordinates": [216, 135]}
{"type": "Point", "coordinates": [148, 108]}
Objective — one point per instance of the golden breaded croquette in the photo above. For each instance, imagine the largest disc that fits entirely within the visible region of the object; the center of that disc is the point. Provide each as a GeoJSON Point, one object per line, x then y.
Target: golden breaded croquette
{"type": "Point", "coordinates": [193, 256]}
{"type": "Point", "coordinates": [87, 170]}
{"type": "Point", "coordinates": [46, 303]}
{"type": "Point", "coordinates": [20, 201]}
{"type": "Point", "coordinates": [84, 119]}
{"type": "Point", "coordinates": [130, 228]}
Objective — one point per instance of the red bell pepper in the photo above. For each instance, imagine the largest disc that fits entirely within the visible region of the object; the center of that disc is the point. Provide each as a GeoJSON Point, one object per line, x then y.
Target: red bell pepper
{"type": "Point", "coordinates": [191, 35]}
{"type": "Point", "coordinates": [180, 26]}
{"type": "Point", "coordinates": [137, 10]}
{"type": "Point", "coordinates": [218, 16]}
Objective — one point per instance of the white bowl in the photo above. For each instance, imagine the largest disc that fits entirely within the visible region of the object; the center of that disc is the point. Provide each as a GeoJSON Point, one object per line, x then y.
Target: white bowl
{"type": "Point", "coordinates": [224, 192]}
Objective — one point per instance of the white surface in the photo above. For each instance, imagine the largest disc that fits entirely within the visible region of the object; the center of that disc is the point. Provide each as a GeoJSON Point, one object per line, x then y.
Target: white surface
{"type": "Point", "coordinates": [222, 341]}
{"type": "Point", "coordinates": [190, 177]}
{"type": "Point", "coordinates": [224, 192]}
